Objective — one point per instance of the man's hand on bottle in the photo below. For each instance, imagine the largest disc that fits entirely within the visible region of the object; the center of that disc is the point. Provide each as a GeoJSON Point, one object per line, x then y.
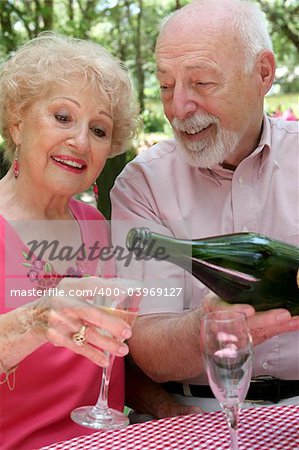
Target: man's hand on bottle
{"type": "Point", "coordinates": [263, 325]}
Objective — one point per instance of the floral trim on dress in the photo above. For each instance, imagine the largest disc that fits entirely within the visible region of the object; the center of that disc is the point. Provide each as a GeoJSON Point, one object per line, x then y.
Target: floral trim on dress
{"type": "Point", "coordinates": [43, 272]}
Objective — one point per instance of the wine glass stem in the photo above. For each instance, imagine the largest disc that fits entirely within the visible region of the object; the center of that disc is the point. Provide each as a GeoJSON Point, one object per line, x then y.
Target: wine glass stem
{"type": "Point", "coordinates": [233, 438]}
{"type": "Point", "coordinates": [102, 403]}
{"type": "Point", "coordinates": [232, 418]}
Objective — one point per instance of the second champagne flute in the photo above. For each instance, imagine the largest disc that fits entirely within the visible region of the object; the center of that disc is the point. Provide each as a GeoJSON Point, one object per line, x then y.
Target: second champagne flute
{"type": "Point", "coordinates": [122, 297]}
{"type": "Point", "coordinates": [228, 354]}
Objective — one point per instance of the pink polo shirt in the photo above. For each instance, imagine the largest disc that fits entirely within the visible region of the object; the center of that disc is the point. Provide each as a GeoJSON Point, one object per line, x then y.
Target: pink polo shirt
{"type": "Point", "coordinates": [159, 189]}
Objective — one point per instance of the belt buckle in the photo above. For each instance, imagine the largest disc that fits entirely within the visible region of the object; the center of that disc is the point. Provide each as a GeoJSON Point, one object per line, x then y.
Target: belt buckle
{"type": "Point", "coordinates": [186, 390]}
{"type": "Point", "coordinates": [276, 394]}
{"type": "Point", "coordinates": [262, 378]}
{"type": "Point", "coordinates": [275, 382]}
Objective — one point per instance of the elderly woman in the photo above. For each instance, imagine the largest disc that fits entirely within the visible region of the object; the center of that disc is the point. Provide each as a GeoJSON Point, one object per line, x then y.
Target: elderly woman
{"type": "Point", "coordinates": [65, 106]}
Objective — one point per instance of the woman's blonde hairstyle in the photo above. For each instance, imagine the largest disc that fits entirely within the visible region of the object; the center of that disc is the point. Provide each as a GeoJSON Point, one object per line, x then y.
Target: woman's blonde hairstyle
{"type": "Point", "coordinates": [52, 59]}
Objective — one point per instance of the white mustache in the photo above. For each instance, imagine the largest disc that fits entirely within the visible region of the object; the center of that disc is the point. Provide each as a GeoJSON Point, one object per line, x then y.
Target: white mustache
{"type": "Point", "coordinates": [194, 123]}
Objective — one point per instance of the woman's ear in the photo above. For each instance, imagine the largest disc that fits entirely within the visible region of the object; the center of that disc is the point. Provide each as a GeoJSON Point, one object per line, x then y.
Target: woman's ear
{"type": "Point", "coordinates": [16, 132]}
{"type": "Point", "coordinates": [266, 68]}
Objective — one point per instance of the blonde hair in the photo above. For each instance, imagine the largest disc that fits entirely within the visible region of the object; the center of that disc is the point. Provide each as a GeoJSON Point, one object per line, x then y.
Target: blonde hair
{"type": "Point", "coordinates": [51, 59]}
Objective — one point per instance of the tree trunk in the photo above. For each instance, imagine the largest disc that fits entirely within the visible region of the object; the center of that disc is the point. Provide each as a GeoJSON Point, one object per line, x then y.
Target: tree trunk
{"type": "Point", "coordinates": [139, 61]}
{"type": "Point", "coordinates": [7, 27]}
{"type": "Point", "coordinates": [48, 14]}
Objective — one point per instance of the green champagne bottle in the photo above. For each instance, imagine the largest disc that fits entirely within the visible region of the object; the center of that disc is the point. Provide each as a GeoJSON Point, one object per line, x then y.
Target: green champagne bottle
{"type": "Point", "coordinates": [239, 268]}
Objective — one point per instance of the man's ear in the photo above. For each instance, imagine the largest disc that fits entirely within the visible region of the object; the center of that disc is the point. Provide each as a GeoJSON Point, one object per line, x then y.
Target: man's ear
{"type": "Point", "coordinates": [16, 132]}
{"type": "Point", "coordinates": [266, 68]}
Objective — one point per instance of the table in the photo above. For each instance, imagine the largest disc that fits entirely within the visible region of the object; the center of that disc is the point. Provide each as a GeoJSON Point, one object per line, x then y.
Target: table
{"type": "Point", "coordinates": [264, 428]}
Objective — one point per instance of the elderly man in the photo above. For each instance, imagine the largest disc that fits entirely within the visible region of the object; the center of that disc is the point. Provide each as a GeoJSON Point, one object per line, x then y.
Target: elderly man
{"type": "Point", "coordinates": [229, 169]}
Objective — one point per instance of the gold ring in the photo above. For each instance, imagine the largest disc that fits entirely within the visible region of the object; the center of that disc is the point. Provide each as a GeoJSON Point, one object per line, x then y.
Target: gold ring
{"type": "Point", "coordinates": [79, 337]}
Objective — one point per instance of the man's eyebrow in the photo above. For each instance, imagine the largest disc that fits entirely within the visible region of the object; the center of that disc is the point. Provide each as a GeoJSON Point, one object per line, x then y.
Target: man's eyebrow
{"type": "Point", "coordinates": [202, 66]}
{"type": "Point", "coordinates": [159, 70]}
{"type": "Point", "coordinates": [199, 66]}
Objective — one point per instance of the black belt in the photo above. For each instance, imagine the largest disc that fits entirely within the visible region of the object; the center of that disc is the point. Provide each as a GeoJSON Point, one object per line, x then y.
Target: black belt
{"type": "Point", "coordinates": [260, 389]}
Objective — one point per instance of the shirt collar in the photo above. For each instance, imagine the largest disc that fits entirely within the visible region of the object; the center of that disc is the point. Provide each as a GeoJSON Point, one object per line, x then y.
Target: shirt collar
{"type": "Point", "coordinates": [263, 149]}
{"type": "Point", "coordinates": [265, 139]}
{"type": "Point", "coordinates": [264, 146]}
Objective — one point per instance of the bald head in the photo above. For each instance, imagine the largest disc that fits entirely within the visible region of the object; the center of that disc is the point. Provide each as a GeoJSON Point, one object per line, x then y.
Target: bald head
{"type": "Point", "coordinates": [212, 9]}
{"type": "Point", "coordinates": [241, 20]}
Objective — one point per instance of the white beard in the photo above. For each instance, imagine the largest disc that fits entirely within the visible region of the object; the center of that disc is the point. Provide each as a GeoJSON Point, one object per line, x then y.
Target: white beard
{"type": "Point", "coordinates": [208, 152]}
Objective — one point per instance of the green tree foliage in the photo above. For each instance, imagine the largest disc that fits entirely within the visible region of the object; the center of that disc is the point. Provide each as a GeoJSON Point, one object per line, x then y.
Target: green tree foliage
{"type": "Point", "coordinates": [284, 30]}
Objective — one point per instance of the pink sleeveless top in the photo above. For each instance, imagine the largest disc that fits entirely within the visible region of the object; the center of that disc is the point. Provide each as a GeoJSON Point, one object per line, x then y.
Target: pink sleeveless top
{"type": "Point", "coordinates": [52, 381]}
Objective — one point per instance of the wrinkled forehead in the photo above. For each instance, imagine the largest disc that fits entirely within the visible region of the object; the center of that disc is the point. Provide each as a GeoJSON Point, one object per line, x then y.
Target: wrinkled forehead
{"type": "Point", "coordinates": [87, 82]}
{"type": "Point", "coordinates": [191, 24]}
{"type": "Point", "coordinates": [78, 83]}
{"type": "Point", "coordinates": [186, 39]}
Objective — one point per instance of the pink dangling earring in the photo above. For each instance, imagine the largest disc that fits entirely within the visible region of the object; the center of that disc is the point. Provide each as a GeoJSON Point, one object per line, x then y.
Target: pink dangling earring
{"type": "Point", "coordinates": [96, 191]}
{"type": "Point", "coordinates": [16, 170]}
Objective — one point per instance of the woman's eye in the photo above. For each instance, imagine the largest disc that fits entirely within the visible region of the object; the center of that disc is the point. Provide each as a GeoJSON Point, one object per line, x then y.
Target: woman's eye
{"type": "Point", "coordinates": [62, 118]}
{"type": "Point", "coordinates": [98, 132]}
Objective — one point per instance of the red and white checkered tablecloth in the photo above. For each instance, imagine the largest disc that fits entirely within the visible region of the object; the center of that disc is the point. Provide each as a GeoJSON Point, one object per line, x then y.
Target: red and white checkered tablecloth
{"type": "Point", "coordinates": [264, 428]}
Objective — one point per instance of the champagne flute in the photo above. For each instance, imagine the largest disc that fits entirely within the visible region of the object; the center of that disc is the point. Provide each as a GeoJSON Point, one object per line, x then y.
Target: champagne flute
{"type": "Point", "coordinates": [121, 297]}
{"type": "Point", "coordinates": [228, 354]}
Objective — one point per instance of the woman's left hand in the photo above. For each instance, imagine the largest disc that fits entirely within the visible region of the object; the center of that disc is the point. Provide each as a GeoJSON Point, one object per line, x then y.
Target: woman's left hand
{"type": "Point", "coordinates": [68, 314]}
